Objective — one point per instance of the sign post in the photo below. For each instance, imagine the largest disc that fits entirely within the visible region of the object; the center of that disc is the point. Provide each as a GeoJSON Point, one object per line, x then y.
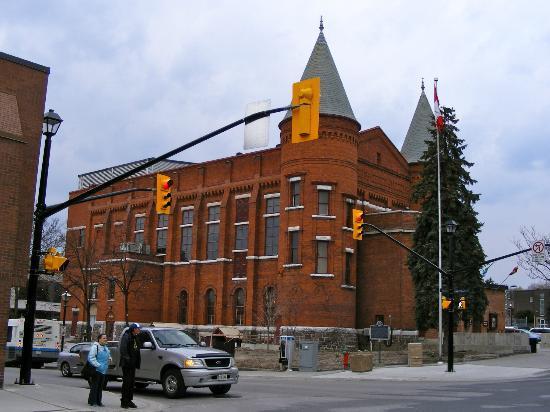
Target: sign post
{"type": "Point", "coordinates": [379, 332]}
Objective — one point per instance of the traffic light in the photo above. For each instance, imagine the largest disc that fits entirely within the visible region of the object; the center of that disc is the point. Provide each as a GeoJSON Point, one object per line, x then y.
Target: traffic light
{"type": "Point", "coordinates": [54, 261]}
{"type": "Point", "coordinates": [462, 303]}
{"type": "Point", "coordinates": [164, 194]}
{"type": "Point", "coordinates": [445, 303]}
{"type": "Point", "coordinates": [305, 119]}
{"type": "Point", "coordinates": [358, 216]}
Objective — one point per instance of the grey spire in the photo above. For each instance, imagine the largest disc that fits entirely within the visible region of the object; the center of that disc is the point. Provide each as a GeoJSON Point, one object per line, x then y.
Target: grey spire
{"type": "Point", "coordinates": [333, 95]}
{"type": "Point", "coordinates": [414, 145]}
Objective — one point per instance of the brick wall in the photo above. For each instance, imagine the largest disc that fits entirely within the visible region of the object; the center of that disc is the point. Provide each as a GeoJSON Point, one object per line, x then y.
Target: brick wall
{"type": "Point", "coordinates": [22, 97]}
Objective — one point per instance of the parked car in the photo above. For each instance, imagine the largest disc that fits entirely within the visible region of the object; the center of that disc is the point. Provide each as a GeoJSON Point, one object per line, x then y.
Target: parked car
{"type": "Point", "coordinates": [533, 337]}
{"type": "Point", "coordinates": [539, 331]}
{"type": "Point", "coordinates": [172, 358]}
{"type": "Point", "coordinates": [69, 362]}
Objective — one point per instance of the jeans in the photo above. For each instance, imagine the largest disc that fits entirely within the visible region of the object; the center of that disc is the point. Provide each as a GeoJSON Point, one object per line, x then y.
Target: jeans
{"type": "Point", "coordinates": [96, 389]}
{"type": "Point", "coordinates": [128, 381]}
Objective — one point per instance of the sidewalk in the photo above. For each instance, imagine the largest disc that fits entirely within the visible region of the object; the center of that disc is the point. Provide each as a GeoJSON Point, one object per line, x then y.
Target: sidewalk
{"type": "Point", "coordinates": [49, 397]}
{"type": "Point", "coordinates": [45, 397]}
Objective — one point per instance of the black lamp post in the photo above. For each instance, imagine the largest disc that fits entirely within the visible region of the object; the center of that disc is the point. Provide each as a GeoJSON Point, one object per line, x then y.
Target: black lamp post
{"type": "Point", "coordinates": [66, 296]}
{"type": "Point", "coordinates": [451, 228]}
{"type": "Point", "coordinates": [50, 125]}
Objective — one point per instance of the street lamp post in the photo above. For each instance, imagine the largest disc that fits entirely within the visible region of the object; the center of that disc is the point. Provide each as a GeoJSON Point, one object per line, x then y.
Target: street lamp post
{"type": "Point", "coordinates": [66, 296]}
{"type": "Point", "coordinates": [50, 125]}
{"type": "Point", "coordinates": [451, 228]}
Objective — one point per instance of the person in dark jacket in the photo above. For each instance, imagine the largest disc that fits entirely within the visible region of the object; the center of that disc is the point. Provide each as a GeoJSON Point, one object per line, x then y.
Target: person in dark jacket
{"type": "Point", "coordinates": [130, 360]}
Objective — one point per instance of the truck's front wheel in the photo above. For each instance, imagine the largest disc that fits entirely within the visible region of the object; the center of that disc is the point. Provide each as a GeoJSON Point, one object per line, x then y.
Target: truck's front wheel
{"type": "Point", "coordinates": [172, 383]}
{"type": "Point", "coordinates": [219, 389]}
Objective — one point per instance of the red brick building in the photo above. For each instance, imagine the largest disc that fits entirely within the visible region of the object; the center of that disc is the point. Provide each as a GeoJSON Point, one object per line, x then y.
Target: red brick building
{"type": "Point", "coordinates": [265, 237]}
{"type": "Point", "coordinates": [22, 98]}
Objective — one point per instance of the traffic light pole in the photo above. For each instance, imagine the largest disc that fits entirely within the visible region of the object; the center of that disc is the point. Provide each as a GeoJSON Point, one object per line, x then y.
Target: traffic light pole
{"type": "Point", "coordinates": [39, 218]}
{"type": "Point", "coordinates": [451, 309]}
{"type": "Point", "coordinates": [42, 212]}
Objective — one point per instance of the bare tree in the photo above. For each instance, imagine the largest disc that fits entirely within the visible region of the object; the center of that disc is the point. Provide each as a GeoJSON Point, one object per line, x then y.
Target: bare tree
{"type": "Point", "coordinates": [83, 277]}
{"type": "Point", "coordinates": [270, 311]}
{"type": "Point", "coordinates": [535, 270]}
{"type": "Point", "coordinates": [128, 272]}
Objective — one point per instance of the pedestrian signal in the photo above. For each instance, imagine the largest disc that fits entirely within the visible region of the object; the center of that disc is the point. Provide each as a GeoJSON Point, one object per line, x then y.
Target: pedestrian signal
{"type": "Point", "coordinates": [54, 261]}
{"type": "Point", "coordinates": [445, 303]}
{"type": "Point", "coordinates": [358, 220]}
{"type": "Point", "coordinates": [164, 194]}
{"type": "Point", "coordinates": [462, 303]}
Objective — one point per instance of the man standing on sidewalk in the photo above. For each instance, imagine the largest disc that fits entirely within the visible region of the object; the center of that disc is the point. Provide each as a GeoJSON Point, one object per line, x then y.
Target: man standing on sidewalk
{"type": "Point", "coordinates": [130, 360]}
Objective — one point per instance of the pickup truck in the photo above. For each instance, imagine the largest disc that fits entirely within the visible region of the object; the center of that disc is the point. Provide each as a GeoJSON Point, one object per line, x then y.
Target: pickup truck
{"type": "Point", "coordinates": [172, 358]}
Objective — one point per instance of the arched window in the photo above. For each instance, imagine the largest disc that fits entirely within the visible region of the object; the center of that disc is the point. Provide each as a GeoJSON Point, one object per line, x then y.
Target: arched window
{"type": "Point", "coordinates": [210, 306]}
{"type": "Point", "coordinates": [239, 307]}
{"type": "Point", "coordinates": [182, 307]}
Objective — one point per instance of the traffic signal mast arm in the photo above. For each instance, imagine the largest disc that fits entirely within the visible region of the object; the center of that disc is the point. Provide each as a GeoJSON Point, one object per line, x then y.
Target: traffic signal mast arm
{"type": "Point", "coordinates": [50, 210]}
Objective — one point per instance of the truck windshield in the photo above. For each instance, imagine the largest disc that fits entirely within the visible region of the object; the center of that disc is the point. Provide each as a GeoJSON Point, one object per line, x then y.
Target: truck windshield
{"type": "Point", "coordinates": [173, 338]}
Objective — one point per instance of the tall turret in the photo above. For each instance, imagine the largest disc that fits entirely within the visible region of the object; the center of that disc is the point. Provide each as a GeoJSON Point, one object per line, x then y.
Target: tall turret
{"type": "Point", "coordinates": [326, 170]}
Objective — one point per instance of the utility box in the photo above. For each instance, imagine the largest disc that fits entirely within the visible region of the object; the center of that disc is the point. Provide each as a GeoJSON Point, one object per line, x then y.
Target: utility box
{"type": "Point", "coordinates": [415, 354]}
{"type": "Point", "coordinates": [309, 356]}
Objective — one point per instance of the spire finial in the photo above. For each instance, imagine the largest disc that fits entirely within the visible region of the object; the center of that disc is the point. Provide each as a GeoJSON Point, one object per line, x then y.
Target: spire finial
{"type": "Point", "coordinates": [422, 87]}
{"type": "Point", "coordinates": [321, 27]}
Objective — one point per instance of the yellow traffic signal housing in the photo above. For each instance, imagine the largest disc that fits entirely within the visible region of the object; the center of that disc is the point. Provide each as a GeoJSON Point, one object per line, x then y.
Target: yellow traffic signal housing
{"type": "Point", "coordinates": [305, 119]}
{"type": "Point", "coordinates": [445, 303]}
{"type": "Point", "coordinates": [358, 217]}
{"type": "Point", "coordinates": [164, 194]}
{"type": "Point", "coordinates": [54, 261]}
{"type": "Point", "coordinates": [462, 303]}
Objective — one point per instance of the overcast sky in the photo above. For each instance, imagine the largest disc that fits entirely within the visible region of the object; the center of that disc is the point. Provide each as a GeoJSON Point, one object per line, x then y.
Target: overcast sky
{"type": "Point", "coordinates": [134, 79]}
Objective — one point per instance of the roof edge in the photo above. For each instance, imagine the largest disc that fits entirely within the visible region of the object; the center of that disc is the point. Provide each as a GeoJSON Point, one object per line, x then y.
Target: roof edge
{"type": "Point", "coordinates": [23, 62]}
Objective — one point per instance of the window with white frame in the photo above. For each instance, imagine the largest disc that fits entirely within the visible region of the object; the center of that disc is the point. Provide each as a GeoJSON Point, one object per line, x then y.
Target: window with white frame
{"type": "Point", "coordinates": [347, 268]}
{"type": "Point", "coordinates": [81, 237]}
{"type": "Point", "coordinates": [295, 186]}
{"type": "Point", "coordinates": [139, 229]}
{"type": "Point", "coordinates": [322, 256]}
{"type": "Point", "coordinates": [241, 236]}
{"type": "Point", "coordinates": [111, 289]}
{"type": "Point", "coordinates": [210, 306]}
{"type": "Point", "coordinates": [162, 233]}
{"type": "Point", "coordinates": [92, 291]}
{"type": "Point", "coordinates": [213, 232]}
{"type": "Point", "coordinates": [323, 199]}
{"type": "Point", "coordinates": [186, 234]}
{"type": "Point", "coordinates": [239, 307]}
{"type": "Point", "coordinates": [293, 244]}
{"type": "Point", "coordinates": [272, 225]}
{"type": "Point", "coordinates": [349, 212]}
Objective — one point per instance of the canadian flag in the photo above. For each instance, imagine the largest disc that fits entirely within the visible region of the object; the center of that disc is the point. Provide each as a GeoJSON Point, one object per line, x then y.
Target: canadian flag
{"type": "Point", "coordinates": [438, 117]}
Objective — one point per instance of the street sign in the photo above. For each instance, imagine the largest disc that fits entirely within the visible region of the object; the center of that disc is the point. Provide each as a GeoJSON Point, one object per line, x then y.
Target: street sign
{"type": "Point", "coordinates": [538, 251]}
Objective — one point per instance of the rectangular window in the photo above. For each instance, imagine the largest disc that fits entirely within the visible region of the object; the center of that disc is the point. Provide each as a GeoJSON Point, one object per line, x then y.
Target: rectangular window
{"type": "Point", "coordinates": [322, 256]}
{"type": "Point", "coordinates": [139, 229]}
{"type": "Point", "coordinates": [241, 237]}
{"type": "Point", "coordinates": [347, 270]}
{"type": "Point", "coordinates": [92, 291]}
{"type": "Point", "coordinates": [111, 290]}
{"type": "Point", "coordinates": [187, 217]}
{"type": "Point", "coordinates": [272, 205]}
{"type": "Point", "coordinates": [349, 214]}
{"type": "Point", "coordinates": [186, 243]}
{"type": "Point", "coordinates": [241, 210]}
{"type": "Point", "coordinates": [81, 237]}
{"type": "Point", "coordinates": [162, 233]}
{"type": "Point", "coordinates": [213, 213]}
{"type": "Point", "coordinates": [293, 242]}
{"type": "Point", "coordinates": [323, 202]}
{"type": "Point", "coordinates": [213, 235]}
{"type": "Point", "coordinates": [295, 191]}
{"type": "Point", "coordinates": [272, 235]}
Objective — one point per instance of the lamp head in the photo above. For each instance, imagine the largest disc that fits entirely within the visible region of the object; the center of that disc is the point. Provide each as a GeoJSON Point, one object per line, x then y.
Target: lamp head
{"type": "Point", "coordinates": [451, 226]}
{"type": "Point", "coordinates": [51, 123]}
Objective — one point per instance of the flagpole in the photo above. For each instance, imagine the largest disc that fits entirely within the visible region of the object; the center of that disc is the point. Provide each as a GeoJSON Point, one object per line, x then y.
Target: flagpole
{"type": "Point", "coordinates": [440, 309]}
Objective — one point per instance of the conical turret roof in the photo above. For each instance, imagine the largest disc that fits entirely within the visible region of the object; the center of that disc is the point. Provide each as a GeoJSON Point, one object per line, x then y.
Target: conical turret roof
{"type": "Point", "coordinates": [415, 145]}
{"type": "Point", "coordinates": [334, 99]}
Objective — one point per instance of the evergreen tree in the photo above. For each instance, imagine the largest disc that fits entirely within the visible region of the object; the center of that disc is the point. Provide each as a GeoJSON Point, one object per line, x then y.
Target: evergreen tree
{"type": "Point", "coordinates": [457, 202]}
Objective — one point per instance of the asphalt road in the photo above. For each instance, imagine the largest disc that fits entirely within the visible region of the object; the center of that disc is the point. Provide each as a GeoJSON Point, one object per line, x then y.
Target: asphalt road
{"type": "Point", "coordinates": [300, 393]}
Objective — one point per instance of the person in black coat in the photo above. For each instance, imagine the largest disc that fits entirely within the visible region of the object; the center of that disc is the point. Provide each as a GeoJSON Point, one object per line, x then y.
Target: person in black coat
{"type": "Point", "coordinates": [130, 360]}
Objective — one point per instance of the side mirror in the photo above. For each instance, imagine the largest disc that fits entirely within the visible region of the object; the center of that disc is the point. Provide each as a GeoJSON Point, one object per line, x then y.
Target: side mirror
{"type": "Point", "coordinates": [203, 344]}
{"type": "Point", "coordinates": [147, 345]}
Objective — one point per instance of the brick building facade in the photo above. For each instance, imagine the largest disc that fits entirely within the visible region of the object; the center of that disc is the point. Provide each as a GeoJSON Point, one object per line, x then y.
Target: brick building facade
{"type": "Point", "coordinates": [265, 237]}
{"type": "Point", "coordinates": [22, 98]}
